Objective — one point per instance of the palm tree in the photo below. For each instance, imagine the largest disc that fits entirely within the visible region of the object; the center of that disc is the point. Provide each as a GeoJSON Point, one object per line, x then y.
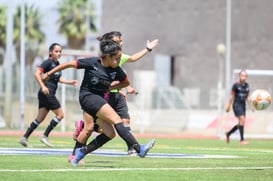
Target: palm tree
{"type": "Point", "coordinates": [33, 33]}
{"type": "Point", "coordinates": [72, 21]}
{"type": "Point", "coordinates": [3, 24]}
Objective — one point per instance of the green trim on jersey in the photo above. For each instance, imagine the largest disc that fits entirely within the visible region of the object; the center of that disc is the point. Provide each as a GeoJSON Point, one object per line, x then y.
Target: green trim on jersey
{"type": "Point", "coordinates": [123, 59]}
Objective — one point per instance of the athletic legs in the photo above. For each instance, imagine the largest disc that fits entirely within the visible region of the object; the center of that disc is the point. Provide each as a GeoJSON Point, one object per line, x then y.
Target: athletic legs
{"type": "Point", "coordinates": [239, 126]}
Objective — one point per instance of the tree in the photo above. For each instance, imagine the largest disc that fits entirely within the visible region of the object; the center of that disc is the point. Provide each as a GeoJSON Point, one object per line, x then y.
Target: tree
{"type": "Point", "coordinates": [33, 33]}
{"type": "Point", "coordinates": [3, 25]}
{"type": "Point", "coordinates": [72, 21]}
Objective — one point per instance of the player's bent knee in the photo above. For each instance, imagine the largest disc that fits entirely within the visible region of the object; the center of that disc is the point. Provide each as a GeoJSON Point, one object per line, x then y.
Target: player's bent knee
{"type": "Point", "coordinates": [87, 130]}
{"type": "Point", "coordinates": [60, 116]}
{"type": "Point", "coordinates": [110, 134]}
{"type": "Point", "coordinates": [126, 121]}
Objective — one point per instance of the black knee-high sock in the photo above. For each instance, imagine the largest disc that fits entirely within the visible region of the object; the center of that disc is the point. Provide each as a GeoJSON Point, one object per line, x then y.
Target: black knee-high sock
{"type": "Point", "coordinates": [53, 123]}
{"type": "Point", "coordinates": [241, 129]}
{"type": "Point", "coordinates": [232, 130]}
{"type": "Point", "coordinates": [77, 145]}
{"type": "Point", "coordinates": [129, 129]}
{"type": "Point", "coordinates": [95, 143]}
{"type": "Point", "coordinates": [31, 128]}
{"type": "Point", "coordinates": [74, 149]}
{"type": "Point", "coordinates": [127, 136]}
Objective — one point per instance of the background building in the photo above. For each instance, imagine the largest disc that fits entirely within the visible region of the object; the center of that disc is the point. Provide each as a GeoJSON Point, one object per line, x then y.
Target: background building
{"type": "Point", "coordinates": [189, 32]}
{"type": "Point", "coordinates": [178, 80]}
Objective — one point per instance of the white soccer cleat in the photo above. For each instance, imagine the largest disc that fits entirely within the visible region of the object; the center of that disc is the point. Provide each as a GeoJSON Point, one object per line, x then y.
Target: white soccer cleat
{"type": "Point", "coordinates": [24, 142]}
{"type": "Point", "coordinates": [45, 141]}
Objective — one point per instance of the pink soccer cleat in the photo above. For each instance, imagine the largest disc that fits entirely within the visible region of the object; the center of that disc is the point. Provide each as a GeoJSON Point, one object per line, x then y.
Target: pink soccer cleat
{"type": "Point", "coordinates": [243, 142]}
{"type": "Point", "coordinates": [71, 157]}
{"type": "Point", "coordinates": [78, 128]}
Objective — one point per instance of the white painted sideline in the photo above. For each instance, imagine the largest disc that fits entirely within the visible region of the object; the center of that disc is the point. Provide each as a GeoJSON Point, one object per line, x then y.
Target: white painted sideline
{"type": "Point", "coordinates": [103, 152]}
{"type": "Point", "coordinates": [135, 169]}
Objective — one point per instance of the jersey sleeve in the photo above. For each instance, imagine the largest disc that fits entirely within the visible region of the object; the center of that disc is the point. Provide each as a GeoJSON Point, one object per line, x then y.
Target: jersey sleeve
{"type": "Point", "coordinates": [234, 89]}
{"type": "Point", "coordinates": [123, 59]}
{"type": "Point", "coordinates": [86, 63]}
{"type": "Point", "coordinates": [122, 76]}
{"type": "Point", "coordinates": [45, 66]}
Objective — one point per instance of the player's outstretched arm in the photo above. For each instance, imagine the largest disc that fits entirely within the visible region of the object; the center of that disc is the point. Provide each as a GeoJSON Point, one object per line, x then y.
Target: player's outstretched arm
{"type": "Point", "coordinates": [71, 64]}
{"type": "Point", "coordinates": [140, 54]}
{"type": "Point", "coordinates": [119, 85]}
{"type": "Point", "coordinates": [69, 82]}
{"type": "Point", "coordinates": [130, 90]}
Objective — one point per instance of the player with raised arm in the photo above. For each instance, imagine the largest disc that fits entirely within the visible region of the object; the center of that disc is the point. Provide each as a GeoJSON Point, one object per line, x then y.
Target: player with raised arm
{"type": "Point", "coordinates": [117, 98]}
{"type": "Point", "coordinates": [101, 75]}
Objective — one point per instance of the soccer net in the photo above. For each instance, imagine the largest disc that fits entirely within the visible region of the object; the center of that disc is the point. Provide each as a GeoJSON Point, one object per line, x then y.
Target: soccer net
{"type": "Point", "coordinates": [259, 124]}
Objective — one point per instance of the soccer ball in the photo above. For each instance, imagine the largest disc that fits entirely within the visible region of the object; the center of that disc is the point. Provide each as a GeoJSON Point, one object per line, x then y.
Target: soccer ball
{"type": "Point", "coordinates": [260, 99]}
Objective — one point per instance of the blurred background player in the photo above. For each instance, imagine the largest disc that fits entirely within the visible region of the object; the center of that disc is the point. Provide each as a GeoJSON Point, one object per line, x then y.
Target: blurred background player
{"type": "Point", "coordinates": [238, 97]}
{"type": "Point", "coordinates": [117, 98]}
{"type": "Point", "coordinates": [46, 96]}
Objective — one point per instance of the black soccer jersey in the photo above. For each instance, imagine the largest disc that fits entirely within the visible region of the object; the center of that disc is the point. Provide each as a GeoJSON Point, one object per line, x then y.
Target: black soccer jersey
{"type": "Point", "coordinates": [240, 92]}
{"type": "Point", "coordinates": [52, 83]}
{"type": "Point", "coordinates": [97, 78]}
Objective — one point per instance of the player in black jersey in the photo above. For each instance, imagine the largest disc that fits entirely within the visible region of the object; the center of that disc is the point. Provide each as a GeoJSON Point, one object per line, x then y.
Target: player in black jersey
{"type": "Point", "coordinates": [46, 96]}
{"type": "Point", "coordinates": [239, 96]}
{"type": "Point", "coordinates": [101, 75]}
{"type": "Point", "coordinates": [117, 98]}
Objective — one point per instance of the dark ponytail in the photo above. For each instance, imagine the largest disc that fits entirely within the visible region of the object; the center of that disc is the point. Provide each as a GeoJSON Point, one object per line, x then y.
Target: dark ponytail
{"type": "Point", "coordinates": [109, 35]}
{"type": "Point", "coordinates": [109, 47]}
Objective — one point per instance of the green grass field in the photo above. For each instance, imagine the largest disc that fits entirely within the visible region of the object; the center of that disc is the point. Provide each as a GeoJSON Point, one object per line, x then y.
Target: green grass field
{"type": "Point", "coordinates": [250, 162]}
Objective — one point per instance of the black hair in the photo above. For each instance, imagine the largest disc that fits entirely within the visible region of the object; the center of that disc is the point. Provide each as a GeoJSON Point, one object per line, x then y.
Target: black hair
{"type": "Point", "coordinates": [241, 71]}
{"type": "Point", "coordinates": [109, 35]}
{"type": "Point", "coordinates": [109, 47]}
{"type": "Point", "coordinates": [52, 46]}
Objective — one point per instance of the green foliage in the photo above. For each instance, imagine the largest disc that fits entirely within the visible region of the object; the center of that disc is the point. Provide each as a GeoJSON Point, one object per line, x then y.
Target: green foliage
{"type": "Point", "coordinates": [33, 33]}
{"type": "Point", "coordinates": [33, 25]}
{"type": "Point", "coordinates": [3, 25]}
{"type": "Point", "coordinates": [72, 21]}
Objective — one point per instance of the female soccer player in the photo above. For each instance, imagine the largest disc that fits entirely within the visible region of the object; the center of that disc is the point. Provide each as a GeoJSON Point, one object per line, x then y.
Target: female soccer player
{"type": "Point", "coordinates": [239, 95]}
{"type": "Point", "coordinates": [46, 96]}
{"type": "Point", "coordinates": [101, 75]}
{"type": "Point", "coordinates": [117, 98]}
